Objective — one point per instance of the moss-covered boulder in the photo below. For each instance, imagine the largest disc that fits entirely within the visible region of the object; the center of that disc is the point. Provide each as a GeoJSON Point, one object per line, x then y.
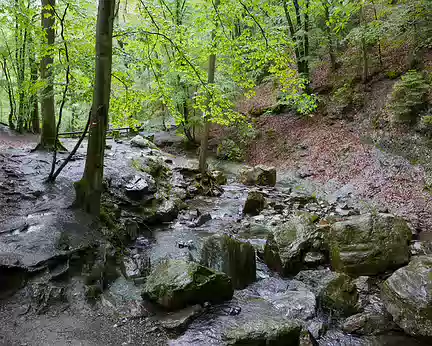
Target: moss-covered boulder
{"type": "Point", "coordinates": [175, 284]}
{"type": "Point", "coordinates": [340, 296]}
{"type": "Point", "coordinates": [265, 333]}
{"type": "Point", "coordinates": [287, 247]}
{"type": "Point", "coordinates": [255, 203]}
{"type": "Point", "coordinates": [143, 143]}
{"type": "Point", "coordinates": [369, 244]}
{"type": "Point", "coordinates": [407, 295]}
{"type": "Point", "coordinates": [258, 175]}
{"type": "Point", "coordinates": [229, 255]}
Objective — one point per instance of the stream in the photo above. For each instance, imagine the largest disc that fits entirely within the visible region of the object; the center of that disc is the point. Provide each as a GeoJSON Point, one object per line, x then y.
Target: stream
{"type": "Point", "coordinates": [43, 238]}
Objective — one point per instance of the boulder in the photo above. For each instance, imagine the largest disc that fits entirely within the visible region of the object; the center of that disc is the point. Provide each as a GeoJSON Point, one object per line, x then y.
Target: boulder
{"type": "Point", "coordinates": [370, 322]}
{"type": "Point", "coordinates": [340, 296]}
{"type": "Point", "coordinates": [229, 255]}
{"type": "Point", "coordinates": [143, 143]}
{"type": "Point", "coordinates": [286, 249]}
{"type": "Point", "coordinates": [407, 296]}
{"type": "Point", "coordinates": [264, 332]}
{"type": "Point", "coordinates": [139, 186]}
{"type": "Point", "coordinates": [369, 244]}
{"type": "Point", "coordinates": [179, 320]}
{"type": "Point", "coordinates": [295, 301]}
{"type": "Point", "coordinates": [175, 284]}
{"type": "Point", "coordinates": [259, 175]}
{"type": "Point", "coordinates": [219, 177]}
{"type": "Point", "coordinates": [255, 203]}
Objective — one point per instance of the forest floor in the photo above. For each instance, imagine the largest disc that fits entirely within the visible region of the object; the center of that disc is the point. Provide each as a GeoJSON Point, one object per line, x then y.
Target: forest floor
{"type": "Point", "coordinates": [359, 151]}
{"type": "Point", "coordinates": [335, 152]}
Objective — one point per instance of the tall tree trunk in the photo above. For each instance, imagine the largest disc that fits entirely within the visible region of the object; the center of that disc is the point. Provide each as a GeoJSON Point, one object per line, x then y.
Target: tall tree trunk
{"type": "Point", "coordinates": [364, 48]}
{"type": "Point", "coordinates": [328, 31]}
{"type": "Point", "coordinates": [293, 31]}
{"type": "Point", "coordinates": [10, 95]}
{"type": "Point", "coordinates": [89, 188]}
{"type": "Point", "coordinates": [47, 140]}
{"type": "Point", "coordinates": [210, 80]}
{"type": "Point", "coordinates": [34, 103]}
{"type": "Point", "coordinates": [306, 42]}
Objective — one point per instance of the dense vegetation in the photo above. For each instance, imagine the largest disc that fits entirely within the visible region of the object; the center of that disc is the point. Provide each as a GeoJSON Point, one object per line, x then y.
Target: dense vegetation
{"type": "Point", "coordinates": [191, 61]}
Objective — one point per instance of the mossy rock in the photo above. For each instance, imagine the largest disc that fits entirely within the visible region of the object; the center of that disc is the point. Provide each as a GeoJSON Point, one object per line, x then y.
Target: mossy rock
{"type": "Point", "coordinates": [340, 296]}
{"type": "Point", "coordinates": [175, 284]}
{"type": "Point", "coordinates": [229, 255]}
{"type": "Point", "coordinates": [265, 333]}
{"type": "Point", "coordinates": [407, 296]}
{"type": "Point", "coordinates": [286, 248]}
{"type": "Point", "coordinates": [259, 175]}
{"type": "Point", "coordinates": [369, 244]}
{"type": "Point", "coordinates": [255, 203]}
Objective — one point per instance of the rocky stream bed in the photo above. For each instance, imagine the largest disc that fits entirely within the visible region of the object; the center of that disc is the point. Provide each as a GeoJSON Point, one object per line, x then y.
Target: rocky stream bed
{"type": "Point", "coordinates": [267, 261]}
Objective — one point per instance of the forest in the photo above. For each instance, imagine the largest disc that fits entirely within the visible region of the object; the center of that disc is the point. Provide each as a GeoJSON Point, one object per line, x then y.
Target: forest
{"type": "Point", "coordinates": [216, 172]}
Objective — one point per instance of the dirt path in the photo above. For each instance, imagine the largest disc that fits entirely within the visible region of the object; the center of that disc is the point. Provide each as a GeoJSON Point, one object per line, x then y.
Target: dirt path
{"type": "Point", "coordinates": [335, 153]}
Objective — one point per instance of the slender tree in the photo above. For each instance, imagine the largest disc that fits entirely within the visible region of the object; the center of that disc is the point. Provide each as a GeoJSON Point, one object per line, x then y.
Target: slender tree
{"type": "Point", "coordinates": [210, 81]}
{"type": "Point", "coordinates": [89, 188]}
{"type": "Point", "coordinates": [48, 137]}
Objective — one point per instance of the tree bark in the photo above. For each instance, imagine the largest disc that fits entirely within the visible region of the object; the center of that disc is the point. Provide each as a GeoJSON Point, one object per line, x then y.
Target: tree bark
{"type": "Point", "coordinates": [34, 103]}
{"type": "Point", "coordinates": [47, 140]}
{"type": "Point", "coordinates": [89, 188]}
{"type": "Point", "coordinates": [210, 80]}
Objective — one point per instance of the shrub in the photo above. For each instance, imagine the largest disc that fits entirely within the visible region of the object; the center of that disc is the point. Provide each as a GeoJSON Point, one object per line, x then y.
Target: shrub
{"type": "Point", "coordinates": [409, 97]}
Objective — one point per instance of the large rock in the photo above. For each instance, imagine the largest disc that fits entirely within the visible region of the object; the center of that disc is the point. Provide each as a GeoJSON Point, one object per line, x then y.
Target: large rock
{"type": "Point", "coordinates": [259, 175]}
{"type": "Point", "coordinates": [141, 142]}
{"type": "Point", "coordinates": [255, 203]}
{"type": "Point", "coordinates": [340, 296]}
{"type": "Point", "coordinates": [175, 284]}
{"type": "Point", "coordinates": [265, 333]}
{"type": "Point", "coordinates": [294, 301]}
{"type": "Point", "coordinates": [369, 244]}
{"type": "Point", "coordinates": [139, 186]}
{"type": "Point", "coordinates": [234, 257]}
{"type": "Point", "coordinates": [287, 247]}
{"type": "Point", "coordinates": [336, 292]}
{"type": "Point", "coordinates": [407, 295]}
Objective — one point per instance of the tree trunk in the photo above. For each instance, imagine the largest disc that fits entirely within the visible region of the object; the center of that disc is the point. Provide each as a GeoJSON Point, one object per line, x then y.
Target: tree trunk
{"type": "Point", "coordinates": [89, 188]}
{"type": "Point", "coordinates": [306, 42]}
{"type": "Point", "coordinates": [10, 95]}
{"type": "Point", "coordinates": [328, 30]}
{"type": "Point", "coordinates": [364, 48]}
{"type": "Point", "coordinates": [47, 140]}
{"type": "Point", "coordinates": [34, 104]}
{"type": "Point", "coordinates": [210, 80]}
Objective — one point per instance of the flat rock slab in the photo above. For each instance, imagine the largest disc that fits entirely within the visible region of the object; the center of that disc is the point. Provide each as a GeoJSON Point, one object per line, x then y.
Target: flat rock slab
{"type": "Point", "coordinates": [30, 242]}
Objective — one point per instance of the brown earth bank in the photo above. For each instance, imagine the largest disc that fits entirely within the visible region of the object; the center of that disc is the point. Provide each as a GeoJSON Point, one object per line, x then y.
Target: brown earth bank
{"type": "Point", "coordinates": [335, 151]}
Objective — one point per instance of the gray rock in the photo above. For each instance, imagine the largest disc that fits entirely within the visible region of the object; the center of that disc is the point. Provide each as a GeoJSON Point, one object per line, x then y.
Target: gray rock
{"type": "Point", "coordinates": [179, 320]}
{"type": "Point", "coordinates": [234, 257]}
{"type": "Point", "coordinates": [287, 247]}
{"type": "Point", "coordinates": [316, 280]}
{"type": "Point", "coordinates": [175, 284]}
{"type": "Point", "coordinates": [259, 175]}
{"type": "Point", "coordinates": [340, 296]}
{"type": "Point", "coordinates": [407, 295]}
{"type": "Point", "coordinates": [141, 142]}
{"type": "Point", "coordinates": [297, 301]}
{"type": "Point", "coordinates": [255, 203]}
{"type": "Point", "coordinates": [369, 244]}
{"type": "Point", "coordinates": [140, 186]}
{"type": "Point", "coordinates": [419, 248]}
{"type": "Point", "coordinates": [370, 322]}
{"type": "Point", "coordinates": [265, 332]}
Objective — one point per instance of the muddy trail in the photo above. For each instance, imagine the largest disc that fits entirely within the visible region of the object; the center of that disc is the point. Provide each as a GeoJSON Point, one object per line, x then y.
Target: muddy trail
{"type": "Point", "coordinates": [65, 280]}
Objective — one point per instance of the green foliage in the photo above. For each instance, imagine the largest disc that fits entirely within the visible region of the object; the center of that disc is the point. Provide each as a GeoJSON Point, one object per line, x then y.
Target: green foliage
{"type": "Point", "coordinates": [238, 137]}
{"type": "Point", "coordinates": [409, 97]}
